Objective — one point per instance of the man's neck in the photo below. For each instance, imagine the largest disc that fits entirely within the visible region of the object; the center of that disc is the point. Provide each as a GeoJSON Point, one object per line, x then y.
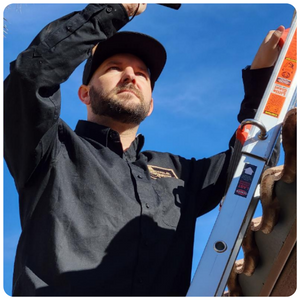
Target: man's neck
{"type": "Point", "coordinates": [127, 132]}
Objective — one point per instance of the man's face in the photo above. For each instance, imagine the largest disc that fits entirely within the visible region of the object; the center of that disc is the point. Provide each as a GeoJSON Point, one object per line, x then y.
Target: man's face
{"type": "Point", "coordinates": [121, 89]}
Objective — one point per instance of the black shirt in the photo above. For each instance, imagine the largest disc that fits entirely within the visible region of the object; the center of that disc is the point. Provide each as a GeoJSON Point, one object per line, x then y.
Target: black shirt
{"type": "Point", "coordinates": [97, 220]}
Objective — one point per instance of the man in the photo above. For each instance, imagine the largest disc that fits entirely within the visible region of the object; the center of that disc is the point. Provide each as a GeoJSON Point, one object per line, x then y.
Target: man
{"type": "Point", "coordinates": [98, 215]}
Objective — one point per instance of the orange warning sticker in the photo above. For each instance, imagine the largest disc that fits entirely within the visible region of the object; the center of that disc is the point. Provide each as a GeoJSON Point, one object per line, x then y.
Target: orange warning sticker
{"type": "Point", "coordinates": [274, 105]}
{"type": "Point", "coordinates": [284, 80]}
{"type": "Point", "coordinates": [287, 72]}
{"type": "Point", "coordinates": [280, 90]}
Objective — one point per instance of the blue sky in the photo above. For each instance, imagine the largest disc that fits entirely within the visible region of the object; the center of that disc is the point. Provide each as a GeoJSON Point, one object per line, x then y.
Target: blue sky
{"type": "Point", "coordinates": [196, 99]}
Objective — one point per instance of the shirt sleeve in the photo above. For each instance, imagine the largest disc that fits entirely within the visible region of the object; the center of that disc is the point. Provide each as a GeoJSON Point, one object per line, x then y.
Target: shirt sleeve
{"type": "Point", "coordinates": [255, 83]}
{"type": "Point", "coordinates": [32, 90]}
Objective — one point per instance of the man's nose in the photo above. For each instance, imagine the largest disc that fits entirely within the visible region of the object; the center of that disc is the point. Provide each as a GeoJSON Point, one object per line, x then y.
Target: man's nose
{"type": "Point", "coordinates": [128, 75]}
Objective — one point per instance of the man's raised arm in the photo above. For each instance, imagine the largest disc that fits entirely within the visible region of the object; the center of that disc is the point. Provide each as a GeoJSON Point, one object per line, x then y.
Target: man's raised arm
{"type": "Point", "coordinates": [32, 90]}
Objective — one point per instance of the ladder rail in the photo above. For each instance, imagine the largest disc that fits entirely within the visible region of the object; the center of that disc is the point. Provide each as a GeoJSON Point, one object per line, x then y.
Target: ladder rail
{"type": "Point", "coordinates": [238, 243]}
{"type": "Point", "coordinates": [215, 264]}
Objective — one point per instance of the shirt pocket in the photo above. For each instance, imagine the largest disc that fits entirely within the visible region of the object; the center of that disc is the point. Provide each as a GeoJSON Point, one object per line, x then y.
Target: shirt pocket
{"type": "Point", "coordinates": [171, 194]}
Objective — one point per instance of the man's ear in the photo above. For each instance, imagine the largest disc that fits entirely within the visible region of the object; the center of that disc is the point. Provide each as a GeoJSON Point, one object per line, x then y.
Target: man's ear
{"type": "Point", "coordinates": [84, 94]}
{"type": "Point", "coordinates": [151, 107]}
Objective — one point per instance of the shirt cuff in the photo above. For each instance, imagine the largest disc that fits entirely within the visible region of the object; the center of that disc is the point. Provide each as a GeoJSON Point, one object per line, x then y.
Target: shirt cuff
{"type": "Point", "coordinates": [256, 81]}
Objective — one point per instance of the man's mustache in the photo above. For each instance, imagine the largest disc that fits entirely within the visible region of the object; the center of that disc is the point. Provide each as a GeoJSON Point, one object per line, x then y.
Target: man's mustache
{"type": "Point", "coordinates": [129, 87]}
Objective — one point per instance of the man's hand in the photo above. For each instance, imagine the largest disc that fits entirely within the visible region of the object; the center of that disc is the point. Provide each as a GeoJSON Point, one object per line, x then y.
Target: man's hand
{"type": "Point", "coordinates": [269, 50]}
{"type": "Point", "coordinates": [131, 8]}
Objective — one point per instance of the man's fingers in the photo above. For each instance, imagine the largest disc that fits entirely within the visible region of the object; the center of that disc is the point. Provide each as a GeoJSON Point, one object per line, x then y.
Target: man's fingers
{"type": "Point", "coordinates": [268, 51]}
{"type": "Point", "coordinates": [142, 7]}
{"type": "Point", "coordinates": [276, 35]}
{"type": "Point", "coordinates": [134, 8]}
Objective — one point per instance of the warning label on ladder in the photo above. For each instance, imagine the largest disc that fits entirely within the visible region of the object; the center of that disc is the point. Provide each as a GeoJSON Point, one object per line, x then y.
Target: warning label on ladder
{"type": "Point", "coordinates": [245, 181]}
{"type": "Point", "coordinates": [283, 82]}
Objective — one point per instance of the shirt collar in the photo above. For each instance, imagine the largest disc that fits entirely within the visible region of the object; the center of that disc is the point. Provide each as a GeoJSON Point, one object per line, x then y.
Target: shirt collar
{"type": "Point", "coordinates": [108, 138]}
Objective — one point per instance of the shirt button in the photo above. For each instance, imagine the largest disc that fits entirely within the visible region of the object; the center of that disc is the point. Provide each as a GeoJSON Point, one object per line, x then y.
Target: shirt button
{"type": "Point", "coordinates": [109, 9]}
{"type": "Point", "coordinates": [113, 135]}
{"type": "Point", "coordinates": [147, 205]}
{"type": "Point", "coordinates": [140, 176]}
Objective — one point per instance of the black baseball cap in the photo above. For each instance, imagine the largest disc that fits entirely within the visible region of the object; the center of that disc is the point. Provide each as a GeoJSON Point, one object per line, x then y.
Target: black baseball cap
{"type": "Point", "coordinates": [148, 49]}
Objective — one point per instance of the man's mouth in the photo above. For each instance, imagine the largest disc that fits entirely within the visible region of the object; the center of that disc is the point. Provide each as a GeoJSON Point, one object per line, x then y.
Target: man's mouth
{"type": "Point", "coordinates": [128, 91]}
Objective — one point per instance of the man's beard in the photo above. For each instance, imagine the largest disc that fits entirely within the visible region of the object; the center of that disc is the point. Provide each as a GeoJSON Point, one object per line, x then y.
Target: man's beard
{"type": "Point", "coordinates": [115, 105]}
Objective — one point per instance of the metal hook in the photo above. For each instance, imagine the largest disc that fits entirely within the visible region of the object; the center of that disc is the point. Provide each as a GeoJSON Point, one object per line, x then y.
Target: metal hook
{"type": "Point", "coordinates": [263, 132]}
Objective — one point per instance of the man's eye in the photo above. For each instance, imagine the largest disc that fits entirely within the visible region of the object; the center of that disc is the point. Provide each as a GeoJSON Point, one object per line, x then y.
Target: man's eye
{"type": "Point", "coordinates": [114, 68]}
{"type": "Point", "coordinates": [142, 74]}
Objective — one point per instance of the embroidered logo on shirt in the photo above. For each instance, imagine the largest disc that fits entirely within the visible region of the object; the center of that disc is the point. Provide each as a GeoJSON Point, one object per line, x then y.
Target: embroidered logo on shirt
{"type": "Point", "coordinates": [159, 172]}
